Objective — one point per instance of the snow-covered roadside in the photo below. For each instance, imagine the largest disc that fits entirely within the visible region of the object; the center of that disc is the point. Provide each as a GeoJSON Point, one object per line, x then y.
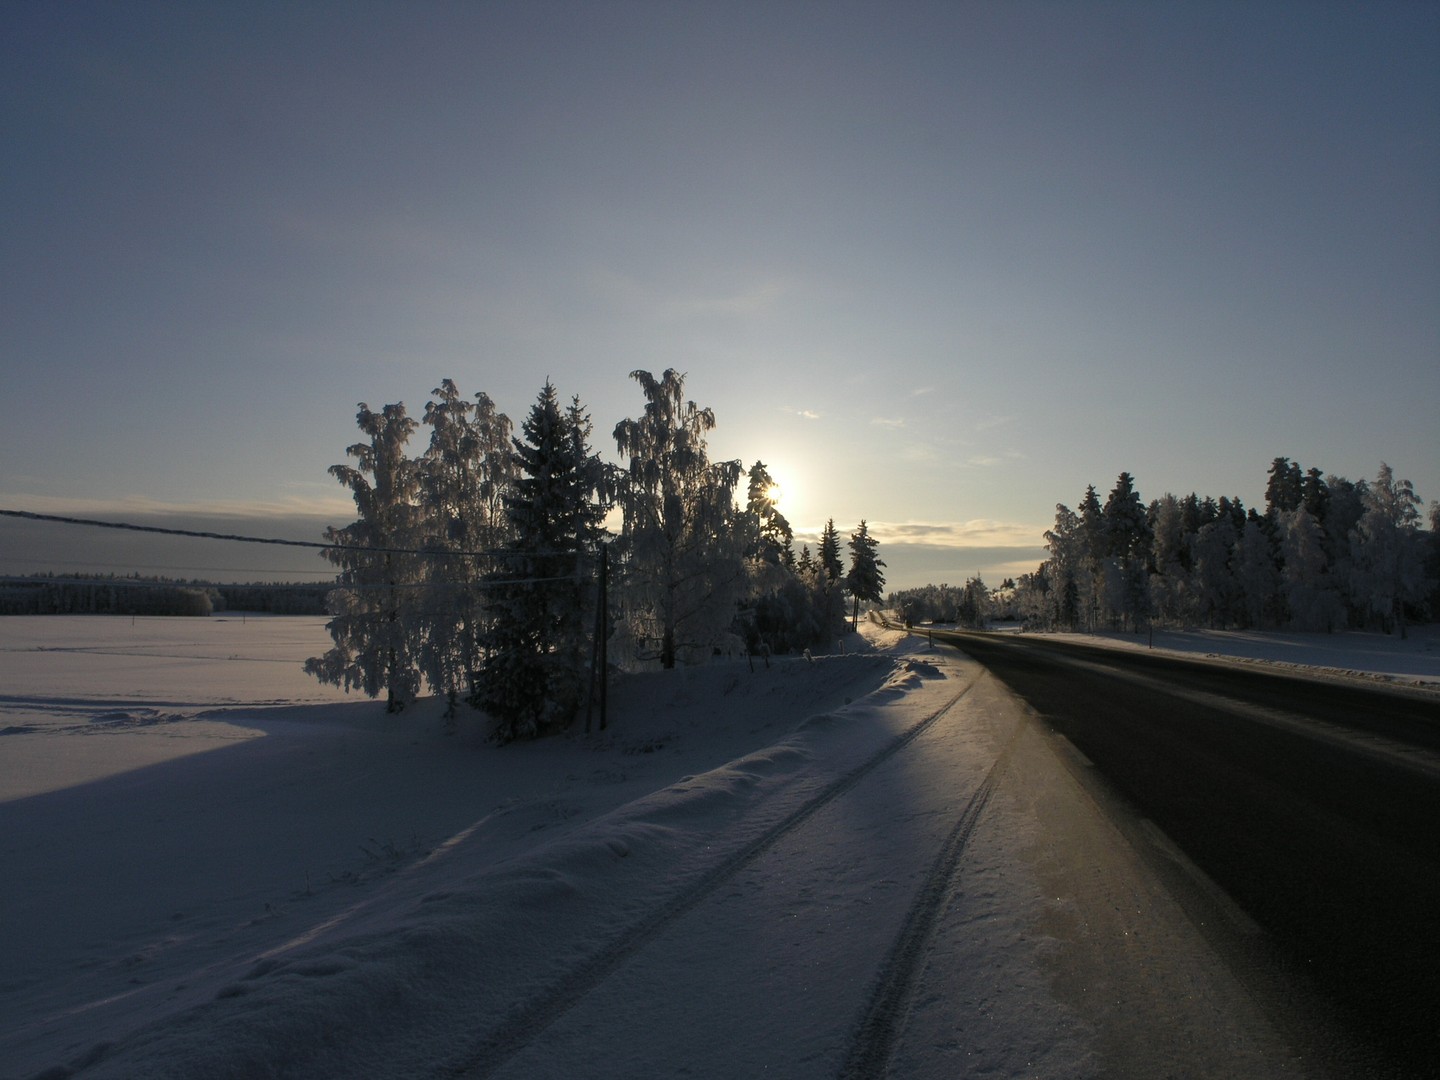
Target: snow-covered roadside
{"type": "Point", "coordinates": [168, 816]}
{"type": "Point", "coordinates": [1410, 661]}
{"type": "Point", "coordinates": [739, 849]}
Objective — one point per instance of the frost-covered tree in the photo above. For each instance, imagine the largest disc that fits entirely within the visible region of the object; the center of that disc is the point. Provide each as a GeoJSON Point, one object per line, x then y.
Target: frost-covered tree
{"type": "Point", "coordinates": [463, 478]}
{"type": "Point", "coordinates": [682, 554]}
{"type": "Point", "coordinates": [830, 563]}
{"type": "Point", "coordinates": [1256, 574]}
{"type": "Point", "coordinates": [1127, 540]}
{"type": "Point", "coordinates": [1310, 597]}
{"type": "Point", "coordinates": [1092, 529]}
{"type": "Point", "coordinates": [533, 675]}
{"type": "Point", "coordinates": [771, 538]}
{"type": "Point", "coordinates": [1067, 576]}
{"type": "Point", "coordinates": [1432, 559]}
{"type": "Point", "coordinates": [828, 585]}
{"type": "Point", "coordinates": [1212, 578]}
{"type": "Point", "coordinates": [372, 606]}
{"type": "Point", "coordinates": [972, 608]}
{"type": "Point", "coordinates": [1389, 569]}
{"type": "Point", "coordinates": [1169, 555]}
{"type": "Point", "coordinates": [1315, 495]}
{"type": "Point", "coordinates": [1285, 489]}
{"type": "Point", "coordinates": [865, 581]}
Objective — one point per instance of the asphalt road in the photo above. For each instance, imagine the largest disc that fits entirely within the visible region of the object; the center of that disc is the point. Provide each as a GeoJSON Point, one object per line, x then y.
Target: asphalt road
{"type": "Point", "coordinates": [1315, 805]}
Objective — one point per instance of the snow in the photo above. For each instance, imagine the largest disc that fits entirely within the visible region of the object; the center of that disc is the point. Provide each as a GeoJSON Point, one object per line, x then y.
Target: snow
{"type": "Point", "coordinates": [216, 867]}
{"type": "Point", "coordinates": [1413, 660]}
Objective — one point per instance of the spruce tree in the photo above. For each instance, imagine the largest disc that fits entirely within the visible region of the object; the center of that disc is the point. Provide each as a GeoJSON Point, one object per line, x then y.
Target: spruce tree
{"type": "Point", "coordinates": [533, 675]}
{"type": "Point", "coordinates": [865, 581]}
{"type": "Point", "coordinates": [830, 552]}
{"type": "Point", "coordinates": [1127, 537]}
{"type": "Point", "coordinates": [772, 539]}
{"type": "Point", "coordinates": [1284, 491]}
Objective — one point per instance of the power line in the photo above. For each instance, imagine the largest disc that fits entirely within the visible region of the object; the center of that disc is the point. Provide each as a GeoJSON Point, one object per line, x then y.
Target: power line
{"type": "Point", "coordinates": [327, 586]}
{"type": "Point", "coordinates": [92, 564]}
{"type": "Point", "coordinates": [132, 527]}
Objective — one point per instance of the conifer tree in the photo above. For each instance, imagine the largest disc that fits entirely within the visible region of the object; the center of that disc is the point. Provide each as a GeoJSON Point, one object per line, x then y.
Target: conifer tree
{"type": "Point", "coordinates": [532, 678]}
{"type": "Point", "coordinates": [773, 539]}
{"type": "Point", "coordinates": [828, 588]}
{"type": "Point", "coordinates": [1284, 490]}
{"type": "Point", "coordinates": [1127, 538]}
{"type": "Point", "coordinates": [865, 581]}
{"type": "Point", "coordinates": [830, 552]}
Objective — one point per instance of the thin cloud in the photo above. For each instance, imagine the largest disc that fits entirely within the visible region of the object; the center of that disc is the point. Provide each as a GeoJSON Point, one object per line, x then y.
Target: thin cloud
{"type": "Point", "coordinates": [989, 461]}
{"type": "Point", "coordinates": [666, 305]}
{"type": "Point", "coordinates": [804, 414]}
{"type": "Point", "coordinates": [920, 454]}
{"type": "Point", "coordinates": [976, 533]}
{"type": "Point", "coordinates": [888, 421]}
{"type": "Point", "coordinates": [992, 422]}
{"type": "Point", "coordinates": [921, 391]}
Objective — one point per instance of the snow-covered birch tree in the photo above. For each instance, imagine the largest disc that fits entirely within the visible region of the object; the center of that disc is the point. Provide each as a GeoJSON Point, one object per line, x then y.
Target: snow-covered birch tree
{"type": "Point", "coordinates": [371, 607]}
{"type": "Point", "coordinates": [1311, 600]}
{"type": "Point", "coordinates": [1387, 548]}
{"type": "Point", "coordinates": [463, 477]}
{"type": "Point", "coordinates": [683, 557]}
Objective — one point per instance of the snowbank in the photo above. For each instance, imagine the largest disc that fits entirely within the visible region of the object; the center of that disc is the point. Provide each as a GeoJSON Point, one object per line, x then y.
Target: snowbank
{"type": "Point", "coordinates": [1413, 660]}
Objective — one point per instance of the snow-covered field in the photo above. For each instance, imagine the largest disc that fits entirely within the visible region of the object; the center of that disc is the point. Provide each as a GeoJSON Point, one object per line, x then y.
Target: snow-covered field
{"type": "Point", "coordinates": [216, 867]}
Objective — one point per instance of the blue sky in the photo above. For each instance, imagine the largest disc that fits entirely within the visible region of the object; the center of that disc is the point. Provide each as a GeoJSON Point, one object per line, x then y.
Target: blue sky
{"type": "Point", "coordinates": [939, 265]}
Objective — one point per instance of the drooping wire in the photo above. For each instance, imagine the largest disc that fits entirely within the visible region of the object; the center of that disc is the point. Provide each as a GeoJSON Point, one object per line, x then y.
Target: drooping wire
{"type": "Point", "coordinates": [132, 527]}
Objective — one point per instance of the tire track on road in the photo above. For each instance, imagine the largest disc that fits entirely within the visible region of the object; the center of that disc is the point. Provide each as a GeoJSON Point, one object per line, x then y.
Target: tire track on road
{"type": "Point", "coordinates": [525, 1025]}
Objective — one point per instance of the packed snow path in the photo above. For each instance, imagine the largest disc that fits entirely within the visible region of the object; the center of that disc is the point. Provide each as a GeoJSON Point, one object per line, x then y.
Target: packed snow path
{"type": "Point", "coordinates": [767, 896]}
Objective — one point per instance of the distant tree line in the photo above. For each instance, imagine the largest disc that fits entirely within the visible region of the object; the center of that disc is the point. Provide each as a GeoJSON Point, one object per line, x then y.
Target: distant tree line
{"type": "Point", "coordinates": [1325, 554]}
{"type": "Point", "coordinates": [970, 605]}
{"type": "Point", "coordinates": [111, 594]}
{"type": "Point", "coordinates": [472, 569]}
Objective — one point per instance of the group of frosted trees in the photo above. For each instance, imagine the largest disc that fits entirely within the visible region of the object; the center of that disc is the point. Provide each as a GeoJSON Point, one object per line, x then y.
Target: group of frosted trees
{"type": "Point", "coordinates": [1325, 554]}
{"type": "Point", "coordinates": [473, 569]}
{"type": "Point", "coordinates": [969, 605]}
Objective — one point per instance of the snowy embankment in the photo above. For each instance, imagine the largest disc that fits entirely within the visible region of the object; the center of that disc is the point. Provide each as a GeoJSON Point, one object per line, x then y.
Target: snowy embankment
{"type": "Point", "coordinates": [216, 867]}
{"type": "Point", "coordinates": [1413, 660]}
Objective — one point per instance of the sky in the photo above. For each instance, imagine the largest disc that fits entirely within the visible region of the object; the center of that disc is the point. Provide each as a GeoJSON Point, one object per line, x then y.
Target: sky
{"type": "Point", "coordinates": [939, 266]}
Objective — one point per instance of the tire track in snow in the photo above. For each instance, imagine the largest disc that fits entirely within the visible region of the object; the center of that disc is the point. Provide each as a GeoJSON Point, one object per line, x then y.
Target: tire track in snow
{"type": "Point", "coordinates": [874, 1036]}
{"type": "Point", "coordinates": [524, 1025]}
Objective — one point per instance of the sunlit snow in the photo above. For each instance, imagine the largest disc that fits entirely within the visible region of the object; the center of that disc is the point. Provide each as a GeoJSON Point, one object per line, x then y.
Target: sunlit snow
{"type": "Point", "coordinates": [217, 867]}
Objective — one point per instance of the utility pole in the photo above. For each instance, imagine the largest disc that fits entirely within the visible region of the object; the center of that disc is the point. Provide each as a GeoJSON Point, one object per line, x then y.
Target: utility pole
{"type": "Point", "coordinates": [599, 652]}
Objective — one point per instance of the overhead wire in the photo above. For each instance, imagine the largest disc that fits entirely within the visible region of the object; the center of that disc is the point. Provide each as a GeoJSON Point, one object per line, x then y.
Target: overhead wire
{"type": "Point", "coordinates": [315, 544]}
